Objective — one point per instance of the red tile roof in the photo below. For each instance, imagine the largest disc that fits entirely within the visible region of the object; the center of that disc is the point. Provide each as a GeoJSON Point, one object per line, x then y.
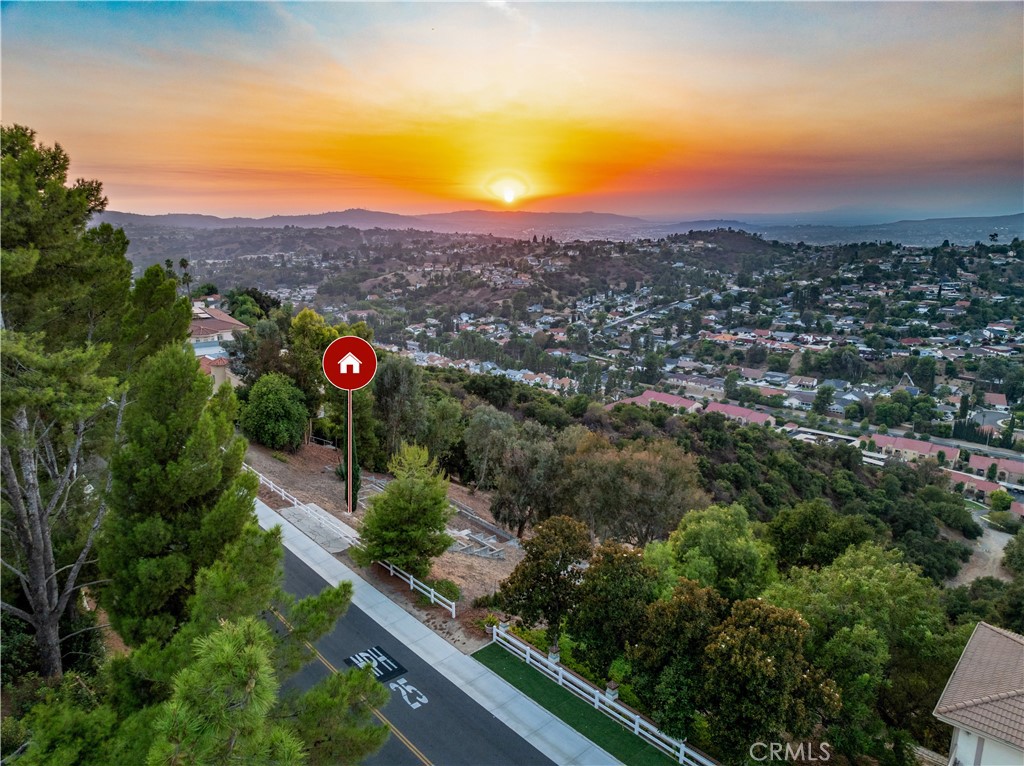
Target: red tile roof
{"type": "Point", "coordinates": [903, 444]}
{"type": "Point", "coordinates": [737, 413]}
{"type": "Point", "coordinates": [1008, 464]}
{"type": "Point", "coordinates": [649, 396]}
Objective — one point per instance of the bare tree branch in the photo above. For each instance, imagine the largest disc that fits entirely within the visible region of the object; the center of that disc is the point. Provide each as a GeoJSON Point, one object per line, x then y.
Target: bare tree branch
{"type": "Point", "coordinates": [17, 572]}
{"type": "Point", "coordinates": [63, 485]}
{"type": "Point", "coordinates": [14, 611]}
{"type": "Point", "coordinates": [69, 586]}
{"type": "Point", "coordinates": [91, 582]}
{"type": "Point", "coordinates": [16, 497]}
{"type": "Point", "coordinates": [49, 457]}
{"type": "Point", "coordinates": [68, 566]}
{"type": "Point", "coordinates": [14, 756]}
{"type": "Point", "coordinates": [84, 630]}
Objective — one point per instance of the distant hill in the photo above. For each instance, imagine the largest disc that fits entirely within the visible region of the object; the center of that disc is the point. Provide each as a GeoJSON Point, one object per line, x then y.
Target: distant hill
{"type": "Point", "coordinates": [927, 233]}
{"type": "Point", "coordinates": [589, 225]}
{"type": "Point", "coordinates": [708, 225]}
{"type": "Point", "coordinates": [356, 218]}
{"type": "Point", "coordinates": [508, 223]}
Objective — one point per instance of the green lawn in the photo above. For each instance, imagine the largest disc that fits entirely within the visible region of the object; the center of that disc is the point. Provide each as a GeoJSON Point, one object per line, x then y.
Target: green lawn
{"type": "Point", "coordinates": [596, 726]}
{"type": "Point", "coordinates": [976, 506]}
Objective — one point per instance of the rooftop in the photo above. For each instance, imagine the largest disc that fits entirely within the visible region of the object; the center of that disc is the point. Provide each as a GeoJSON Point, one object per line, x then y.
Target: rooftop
{"type": "Point", "coordinates": [986, 691]}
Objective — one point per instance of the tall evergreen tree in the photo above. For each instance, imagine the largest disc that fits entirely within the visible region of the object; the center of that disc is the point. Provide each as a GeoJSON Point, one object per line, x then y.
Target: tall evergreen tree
{"type": "Point", "coordinates": [398, 401]}
{"type": "Point", "coordinates": [178, 495]}
{"type": "Point", "coordinates": [66, 299]}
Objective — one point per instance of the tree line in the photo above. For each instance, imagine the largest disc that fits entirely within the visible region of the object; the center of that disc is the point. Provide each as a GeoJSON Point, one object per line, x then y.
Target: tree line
{"type": "Point", "coordinates": [725, 553]}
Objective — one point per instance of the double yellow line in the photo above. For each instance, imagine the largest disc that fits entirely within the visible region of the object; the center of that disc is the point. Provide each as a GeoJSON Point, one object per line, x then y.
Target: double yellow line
{"type": "Point", "coordinates": [380, 716]}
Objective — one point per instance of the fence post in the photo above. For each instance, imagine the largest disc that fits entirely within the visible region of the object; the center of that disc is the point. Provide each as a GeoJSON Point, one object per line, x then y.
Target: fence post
{"type": "Point", "coordinates": [603, 700]}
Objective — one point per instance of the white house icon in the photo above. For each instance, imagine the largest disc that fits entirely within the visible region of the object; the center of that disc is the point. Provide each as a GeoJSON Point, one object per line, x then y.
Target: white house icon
{"type": "Point", "coordinates": [349, 363]}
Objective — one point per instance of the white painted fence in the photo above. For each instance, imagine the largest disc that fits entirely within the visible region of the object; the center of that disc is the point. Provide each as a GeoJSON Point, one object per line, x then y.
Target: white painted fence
{"type": "Point", "coordinates": [271, 485]}
{"type": "Point", "coordinates": [419, 587]}
{"type": "Point", "coordinates": [600, 699]}
{"type": "Point", "coordinates": [394, 571]}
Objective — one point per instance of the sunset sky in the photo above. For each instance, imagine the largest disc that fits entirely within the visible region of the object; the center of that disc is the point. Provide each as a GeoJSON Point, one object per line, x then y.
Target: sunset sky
{"type": "Point", "coordinates": [669, 110]}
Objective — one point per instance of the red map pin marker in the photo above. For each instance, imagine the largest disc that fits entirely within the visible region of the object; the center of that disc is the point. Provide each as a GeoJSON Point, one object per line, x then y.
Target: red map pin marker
{"type": "Point", "coordinates": [350, 363]}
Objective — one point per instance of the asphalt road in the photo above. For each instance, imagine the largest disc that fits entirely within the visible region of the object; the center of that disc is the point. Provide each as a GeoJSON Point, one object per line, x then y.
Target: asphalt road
{"type": "Point", "coordinates": [433, 721]}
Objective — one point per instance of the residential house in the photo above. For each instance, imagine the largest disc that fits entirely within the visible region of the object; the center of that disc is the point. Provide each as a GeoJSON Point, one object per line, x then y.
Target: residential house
{"type": "Point", "coordinates": [996, 401]}
{"type": "Point", "coordinates": [218, 369]}
{"type": "Point", "coordinates": [803, 381]}
{"type": "Point", "coordinates": [669, 400]}
{"type": "Point", "coordinates": [1008, 469]}
{"type": "Point", "coordinates": [908, 450]}
{"type": "Point", "coordinates": [984, 700]}
{"type": "Point", "coordinates": [742, 414]}
{"type": "Point", "coordinates": [837, 384]}
{"type": "Point", "coordinates": [800, 400]}
{"type": "Point", "coordinates": [974, 487]}
{"type": "Point", "coordinates": [212, 324]}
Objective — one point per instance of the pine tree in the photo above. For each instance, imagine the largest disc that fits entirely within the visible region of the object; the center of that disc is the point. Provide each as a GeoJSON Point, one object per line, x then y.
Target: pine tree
{"type": "Point", "coordinates": [220, 710]}
{"type": "Point", "coordinates": [72, 329]}
{"type": "Point", "coordinates": [178, 495]}
{"type": "Point", "coordinates": [406, 522]}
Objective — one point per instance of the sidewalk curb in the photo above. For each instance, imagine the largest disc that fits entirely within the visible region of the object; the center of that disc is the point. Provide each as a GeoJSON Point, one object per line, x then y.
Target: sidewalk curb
{"type": "Point", "coordinates": [546, 732]}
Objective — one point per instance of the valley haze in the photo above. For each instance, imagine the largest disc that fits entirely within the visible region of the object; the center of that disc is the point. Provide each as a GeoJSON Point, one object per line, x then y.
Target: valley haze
{"type": "Point", "coordinates": [812, 228]}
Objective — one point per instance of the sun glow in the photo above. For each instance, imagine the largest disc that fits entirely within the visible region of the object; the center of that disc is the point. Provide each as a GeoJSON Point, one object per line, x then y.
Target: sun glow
{"type": "Point", "coordinates": [507, 188]}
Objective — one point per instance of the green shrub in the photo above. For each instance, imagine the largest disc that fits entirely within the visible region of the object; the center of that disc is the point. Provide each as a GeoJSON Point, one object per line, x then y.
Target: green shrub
{"type": "Point", "coordinates": [1013, 555]}
{"type": "Point", "coordinates": [487, 601]}
{"type": "Point", "coordinates": [275, 415]}
{"type": "Point", "coordinates": [446, 588]}
{"type": "Point", "coordinates": [13, 734]}
{"type": "Point", "coordinates": [1010, 522]}
{"type": "Point", "coordinates": [535, 636]}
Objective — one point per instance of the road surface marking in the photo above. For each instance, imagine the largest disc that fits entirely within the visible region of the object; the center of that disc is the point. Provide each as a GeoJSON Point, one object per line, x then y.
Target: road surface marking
{"type": "Point", "coordinates": [383, 719]}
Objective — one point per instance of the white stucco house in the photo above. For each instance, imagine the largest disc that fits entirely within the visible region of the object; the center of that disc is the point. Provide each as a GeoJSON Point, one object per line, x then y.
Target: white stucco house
{"type": "Point", "coordinates": [984, 700]}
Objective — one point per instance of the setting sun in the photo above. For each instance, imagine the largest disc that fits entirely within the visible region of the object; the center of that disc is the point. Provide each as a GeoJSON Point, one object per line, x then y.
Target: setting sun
{"type": "Point", "coordinates": [507, 188]}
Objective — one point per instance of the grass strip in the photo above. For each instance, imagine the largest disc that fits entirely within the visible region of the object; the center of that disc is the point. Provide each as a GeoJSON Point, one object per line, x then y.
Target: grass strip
{"type": "Point", "coordinates": [594, 725]}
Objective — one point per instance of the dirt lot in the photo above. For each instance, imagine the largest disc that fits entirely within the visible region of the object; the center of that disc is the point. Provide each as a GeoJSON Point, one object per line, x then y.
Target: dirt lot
{"type": "Point", "coordinates": [309, 475]}
{"type": "Point", "coordinates": [986, 555]}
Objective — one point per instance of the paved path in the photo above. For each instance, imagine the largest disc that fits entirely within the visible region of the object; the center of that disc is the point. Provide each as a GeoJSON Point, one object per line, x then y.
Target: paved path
{"type": "Point", "coordinates": [466, 703]}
